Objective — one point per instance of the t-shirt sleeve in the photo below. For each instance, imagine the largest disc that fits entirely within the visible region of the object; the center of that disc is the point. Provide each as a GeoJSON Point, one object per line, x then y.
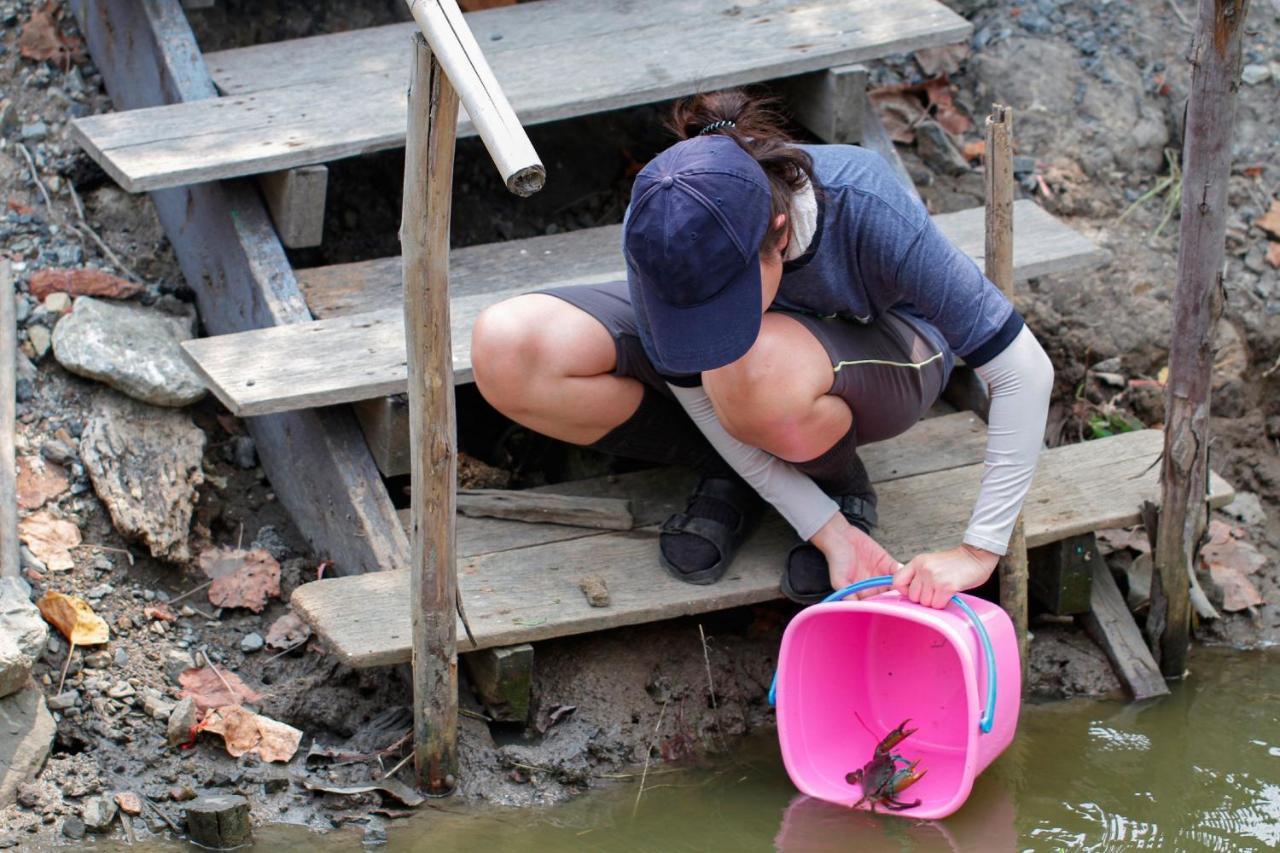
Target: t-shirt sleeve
{"type": "Point", "coordinates": [943, 285]}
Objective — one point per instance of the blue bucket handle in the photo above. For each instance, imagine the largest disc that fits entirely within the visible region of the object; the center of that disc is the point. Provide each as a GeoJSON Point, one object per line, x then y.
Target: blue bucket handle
{"type": "Point", "coordinates": [989, 713]}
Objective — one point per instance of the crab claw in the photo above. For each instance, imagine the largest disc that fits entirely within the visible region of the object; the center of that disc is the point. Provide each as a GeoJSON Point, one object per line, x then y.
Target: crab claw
{"type": "Point", "coordinates": [895, 737]}
{"type": "Point", "coordinates": [905, 778]}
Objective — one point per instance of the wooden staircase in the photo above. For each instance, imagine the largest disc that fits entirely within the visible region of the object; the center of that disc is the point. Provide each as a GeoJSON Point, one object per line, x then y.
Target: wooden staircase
{"type": "Point", "coordinates": [289, 350]}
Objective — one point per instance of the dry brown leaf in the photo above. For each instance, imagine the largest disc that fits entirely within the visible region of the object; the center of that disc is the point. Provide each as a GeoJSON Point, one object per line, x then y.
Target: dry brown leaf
{"type": "Point", "coordinates": [1117, 538]}
{"type": "Point", "coordinates": [899, 112]}
{"type": "Point", "coordinates": [1238, 593]}
{"type": "Point", "coordinates": [159, 612]}
{"type": "Point", "coordinates": [74, 618]}
{"type": "Point", "coordinates": [1270, 221]}
{"type": "Point", "coordinates": [1273, 255]}
{"type": "Point", "coordinates": [39, 481]}
{"type": "Point", "coordinates": [1227, 550]}
{"type": "Point", "coordinates": [241, 578]}
{"type": "Point", "coordinates": [41, 40]}
{"type": "Point", "coordinates": [287, 631]}
{"type": "Point", "coordinates": [244, 731]}
{"type": "Point", "coordinates": [50, 539]}
{"type": "Point", "coordinates": [206, 686]}
{"type": "Point", "coordinates": [81, 282]}
{"type": "Point", "coordinates": [942, 60]}
{"type": "Point", "coordinates": [392, 787]}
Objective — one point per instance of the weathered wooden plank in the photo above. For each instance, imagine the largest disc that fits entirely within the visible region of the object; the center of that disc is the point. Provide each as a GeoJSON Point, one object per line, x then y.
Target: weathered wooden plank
{"type": "Point", "coordinates": [358, 356]}
{"type": "Point", "coordinates": [503, 678]}
{"type": "Point", "coordinates": [316, 460]}
{"type": "Point", "coordinates": [1112, 627]}
{"type": "Point", "coordinates": [296, 198]}
{"type": "Point", "coordinates": [9, 555]}
{"type": "Point", "coordinates": [546, 508]}
{"type": "Point", "coordinates": [1061, 577]}
{"type": "Point", "coordinates": [831, 103]}
{"type": "Point", "coordinates": [320, 99]}
{"type": "Point", "coordinates": [531, 594]}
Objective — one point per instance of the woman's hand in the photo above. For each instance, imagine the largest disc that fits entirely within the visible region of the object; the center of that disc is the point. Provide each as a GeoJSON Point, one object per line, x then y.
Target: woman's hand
{"type": "Point", "coordinates": [852, 555]}
{"type": "Point", "coordinates": [932, 579]}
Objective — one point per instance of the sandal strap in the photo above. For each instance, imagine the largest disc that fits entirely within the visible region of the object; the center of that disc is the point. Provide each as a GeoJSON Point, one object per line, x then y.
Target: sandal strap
{"type": "Point", "coordinates": [858, 510]}
{"type": "Point", "coordinates": [705, 528]}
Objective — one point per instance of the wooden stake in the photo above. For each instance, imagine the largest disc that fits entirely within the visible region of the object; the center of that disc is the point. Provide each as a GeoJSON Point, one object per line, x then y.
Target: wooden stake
{"type": "Point", "coordinates": [1206, 163]}
{"type": "Point", "coordinates": [999, 262]}
{"type": "Point", "coordinates": [454, 46]}
{"type": "Point", "coordinates": [9, 563]}
{"type": "Point", "coordinates": [424, 238]}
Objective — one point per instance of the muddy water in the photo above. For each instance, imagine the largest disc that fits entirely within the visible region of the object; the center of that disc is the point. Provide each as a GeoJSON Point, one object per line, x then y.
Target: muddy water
{"type": "Point", "coordinates": [1197, 771]}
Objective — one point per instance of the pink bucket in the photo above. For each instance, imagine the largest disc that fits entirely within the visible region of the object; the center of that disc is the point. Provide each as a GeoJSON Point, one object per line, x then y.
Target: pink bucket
{"type": "Point", "coordinates": [954, 673]}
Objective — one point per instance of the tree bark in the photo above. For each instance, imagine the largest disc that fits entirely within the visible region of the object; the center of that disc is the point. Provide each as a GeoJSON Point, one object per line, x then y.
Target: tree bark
{"type": "Point", "coordinates": [1012, 567]}
{"type": "Point", "coordinates": [8, 407]}
{"type": "Point", "coordinates": [424, 237]}
{"type": "Point", "coordinates": [1206, 163]}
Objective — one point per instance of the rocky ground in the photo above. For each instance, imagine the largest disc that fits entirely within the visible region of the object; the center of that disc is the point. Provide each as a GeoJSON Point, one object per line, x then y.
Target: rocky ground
{"type": "Point", "coordinates": [138, 492]}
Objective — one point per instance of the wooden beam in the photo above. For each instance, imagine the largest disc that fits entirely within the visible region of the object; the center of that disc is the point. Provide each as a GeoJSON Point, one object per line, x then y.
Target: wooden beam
{"type": "Point", "coordinates": [9, 562]}
{"type": "Point", "coordinates": [1197, 302]}
{"type": "Point", "coordinates": [296, 199]}
{"type": "Point", "coordinates": [503, 678]}
{"type": "Point", "coordinates": [385, 424]}
{"type": "Point", "coordinates": [424, 238]}
{"type": "Point", "coordinates": [1062, 574]}
{"type": "Point", "coordinates": [1112, 627]}
{"type": "Point", "coordinates": [544, 508]}
{"type": "Point", "coordinates": [316, 460]}
{"type": "Point", "coordinates": [832, 104]}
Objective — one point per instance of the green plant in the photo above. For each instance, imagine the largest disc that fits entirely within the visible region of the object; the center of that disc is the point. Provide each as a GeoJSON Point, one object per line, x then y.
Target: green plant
{"type": "Point", "coordinates": [1170, 183]}
{"type": "Point", "coordinates": [1104, 424]}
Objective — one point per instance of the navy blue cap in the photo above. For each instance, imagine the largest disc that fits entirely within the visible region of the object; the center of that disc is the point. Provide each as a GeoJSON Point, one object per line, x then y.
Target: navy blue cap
{"type": "Point", "coordinates": [699, 212]}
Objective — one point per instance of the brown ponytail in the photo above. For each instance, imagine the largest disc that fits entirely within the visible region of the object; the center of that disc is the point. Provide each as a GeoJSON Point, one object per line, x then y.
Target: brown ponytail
{"type": "Point", "coordinates": [757, 128]}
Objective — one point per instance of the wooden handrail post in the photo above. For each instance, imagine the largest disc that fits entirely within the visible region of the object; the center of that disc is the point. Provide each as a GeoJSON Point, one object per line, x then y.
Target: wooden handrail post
{"type": "Point", "coordinates": [455, 48]}
{"type": "Point", "coordinates": [1184, 475]}
{"type": "Point", "coordinates": [9, 564]}
{"type": "Point", "coordinates": [424, 239]}
{"type": "Point", "coordinates": [998, 182]}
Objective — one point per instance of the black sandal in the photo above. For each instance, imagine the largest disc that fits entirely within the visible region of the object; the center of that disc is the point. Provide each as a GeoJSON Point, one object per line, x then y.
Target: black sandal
{"type": "Point", "coordinates": [741, 501]}
{"type": "Point", "coordinates": [805, 579]}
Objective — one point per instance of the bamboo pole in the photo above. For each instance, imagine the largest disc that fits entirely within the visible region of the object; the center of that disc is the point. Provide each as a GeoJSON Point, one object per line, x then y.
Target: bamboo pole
{"type": "Point", "coordinates": [1206, 164]}
{"type": "Point", "coordinates": [455, 47]}
{"type": "Point", "coordinates": [998, 181]}
{"type": "Point", "coordinates": [424, 238]}
{"type": "Point", "coordinates": [9, 563]}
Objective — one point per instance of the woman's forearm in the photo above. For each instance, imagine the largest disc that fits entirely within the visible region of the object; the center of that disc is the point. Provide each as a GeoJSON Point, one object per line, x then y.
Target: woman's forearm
{"type": "Point", "coordinates": [1021, 381]}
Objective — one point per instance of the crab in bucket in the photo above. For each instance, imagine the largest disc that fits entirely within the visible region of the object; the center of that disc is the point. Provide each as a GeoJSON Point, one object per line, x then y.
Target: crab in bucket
{"type": "Point", "coordinates": [886, 775]}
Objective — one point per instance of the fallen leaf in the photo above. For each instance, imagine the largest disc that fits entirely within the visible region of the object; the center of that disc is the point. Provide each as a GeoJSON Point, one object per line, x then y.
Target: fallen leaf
{"type": "Point", "coordinates": [241, 578]}
{"type": "Point", "coordinates": [1238, 593]}
{"type": "Point", "coordinates": [74, 618]}
{"type": "Point", "coordinates": [899, 112]}
{"type": "Point", "coordinates": [942, 60]}
{"type": "Point", "coordinates": [244, 731]}
{"type": "Point", "coordinates": [39, 481]}
{"type": "Point", "coordinates": [41, 40]}
{"type": "Point", "coordinates": [1273, 255]}
{"type": "Point", "coordinates": [392, 787]}
{"type": "Point", "coordinates": [1270, 221]}
{"type": "Point", "coordinates": [1228, 551]}
{"type": "Point", "coordinates": [1116, 539]}
{"type": "Point", "coordinates": [548, 717]}
{"type": "Point", "coordinates": [974, 149]}
{"type": "Point", "coordinates": [205, 685]}
{"type": "Point", "coordinates": [159, 612]}
{"type": "Point", "coordinates": [50, 539]}
{"type": "Point", "coordinates": [81, 282]}
{"type": "Point", "coordinates": [941, 103]}
{"type": "Point", "coordinates": [287, 631]}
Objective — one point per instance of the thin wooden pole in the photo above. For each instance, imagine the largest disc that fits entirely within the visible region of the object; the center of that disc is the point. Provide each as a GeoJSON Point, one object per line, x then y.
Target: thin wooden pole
{"type": "Point", "coordinates": [424, 239]}
{"type": "Point", "coordinates": [8, 406]}
{"type": "Point", "coordinates": [1206, 164]}
{"type": "Point", "coordinates": [455, 47]}
{"type": "Point", "coordinates": [998, 180]}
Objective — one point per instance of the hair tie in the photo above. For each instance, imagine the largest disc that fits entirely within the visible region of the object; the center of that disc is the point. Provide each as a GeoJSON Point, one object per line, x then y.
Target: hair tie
{"type": "Point", "coordinates": [717, 125]}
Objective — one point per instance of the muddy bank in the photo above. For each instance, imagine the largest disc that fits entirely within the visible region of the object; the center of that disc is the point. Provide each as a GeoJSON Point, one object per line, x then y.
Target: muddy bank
{"type": "Point", "coordinates": [597, 700]}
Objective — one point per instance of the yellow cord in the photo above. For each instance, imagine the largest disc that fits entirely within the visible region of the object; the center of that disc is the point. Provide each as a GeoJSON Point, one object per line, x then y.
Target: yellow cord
{"type": "Point", "coordinates": [930, 360]}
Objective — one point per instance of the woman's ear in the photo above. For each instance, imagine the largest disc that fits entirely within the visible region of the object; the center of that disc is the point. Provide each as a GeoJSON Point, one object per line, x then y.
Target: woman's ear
{"type": "Point", "coordinates": [780, 224]}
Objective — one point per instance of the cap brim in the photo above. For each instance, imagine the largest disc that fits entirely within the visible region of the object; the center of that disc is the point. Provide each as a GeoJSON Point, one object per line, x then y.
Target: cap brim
{"type": "Point", "coordinates": [682, 341]}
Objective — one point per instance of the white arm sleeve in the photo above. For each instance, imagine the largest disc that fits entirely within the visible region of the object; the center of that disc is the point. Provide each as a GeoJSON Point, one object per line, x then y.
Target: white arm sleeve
{"type": "Point", "coordinates": [799, 500]}
{"type": "Point", "coordinates": [1020, 380]}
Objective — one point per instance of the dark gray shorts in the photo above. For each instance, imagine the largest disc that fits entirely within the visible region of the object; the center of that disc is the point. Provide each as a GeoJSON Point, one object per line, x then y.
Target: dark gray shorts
{"type": "Point", "coordinates": [887, 371]}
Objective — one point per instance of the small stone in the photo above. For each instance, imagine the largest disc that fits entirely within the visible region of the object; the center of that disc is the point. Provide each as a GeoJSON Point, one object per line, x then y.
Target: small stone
{"type": "Point", "coordinates": [64, 701]}
{"type": "Point", "coordinates": [59, 452]}
{"type": "Point", "coordinates": [40, 340]}
{"type": "Point", "coordinates": [181, 721]}
{"type": "Point", "coordinates": [98, 814]}
{"type": "Point", "coordinates": [120, 690]}
{"type": "Point", "coordinates": [157, 707]}
{"type": "Point", "coordinates": [97, 660]}
{"type": "Point", "coordinates": [121, 657]}
{"type": "Point", "coordinates": [596, 591]}
{"type": "Point", "coordinates": [129, 802]}
{"type": "Point", "coordinates": [30, 562]}
{"type": "Point", "coordinates": [1254, 74]}
{"type": "Point", "coordinates": [182, 793]}
{"type": "Point", "coordinates": [23, 634]}
{"type": "Point", "coordinates": [26, 736]}
{"type": "Point", "coordinates": [102, 590]}
{"type": "Point", "coordinates": [58, 303]}
{"type": "Point", "coordinates": [34, 131]}
{"type": "Point", "coordinates": [251, 643]}
{"type": "Point", "coordinates": [8, 840]}
{"type": "Point", "coordinates": [73, 828]}
{"type": "Point", "coordinates": [1246, 508]}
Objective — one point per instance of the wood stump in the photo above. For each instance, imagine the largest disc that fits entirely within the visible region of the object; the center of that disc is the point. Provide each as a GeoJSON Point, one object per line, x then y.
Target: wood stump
{"type": "Point", "coordinates": [220, 822]}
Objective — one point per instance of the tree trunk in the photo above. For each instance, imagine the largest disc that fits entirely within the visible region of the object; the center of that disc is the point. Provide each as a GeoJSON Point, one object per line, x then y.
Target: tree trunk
{"type": "Point", "coordinates": [424, 237]}
{"type": "Point", "coordinates": [1206, 163]}
{"type": "Point", "coordinates": [8, 407]}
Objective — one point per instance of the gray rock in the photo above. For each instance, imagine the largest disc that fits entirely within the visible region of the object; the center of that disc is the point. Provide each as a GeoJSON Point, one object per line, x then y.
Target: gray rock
{"type": "Point", "coordinates": [97, 660]}
{"type": "Point", "coordinates": [34, 131]}
{"type": "Point", "coordinates": [73, 828]}
{"type": "Point", "coordinates": [157, 707]}
{"type": "Point", "coordinates": [64, 700]}
{"type": "Point", "coordinates": [252, 643]}
{"type": "Point", "coordinates": [40, 339]}
{"type": "Point", "coordinates": [57, 451]}
{"type": "Point", "coordinates": [121, 657]}
{"type": "Point", "coordinates": [176, 662]}
{"type": "Point", "coordinates": [23, 634]}
{"type": "Point", "coordinates": [131, 348]}
{"type": "Point", "coordinates": [26, 736]}
{"type": "Point", "coordinates": [270, 540]}
{"type": "Point", "coordinates": [31, 561]}
{"type": "Point", "coordinates": [98, 814]}
{"type": "Point", "coordinates": [1246, 508]}
{"type": "Point", "coordinates": [180, 722]}
{"type": "Point", "coordinates": [145, 464]}
{"type": "Point", "coordinates": [937, 150]}
{"type": "Point", "coordinates": [1252, 75]}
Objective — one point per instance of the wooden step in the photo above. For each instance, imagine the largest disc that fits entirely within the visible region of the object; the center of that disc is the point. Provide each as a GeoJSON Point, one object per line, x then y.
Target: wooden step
{"type": "Point", "coordinates": [525, 594]}
{"type": "Point", "coordinates": [357, 356]}
{"type": "Point", "coordinates": [318, 99]}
